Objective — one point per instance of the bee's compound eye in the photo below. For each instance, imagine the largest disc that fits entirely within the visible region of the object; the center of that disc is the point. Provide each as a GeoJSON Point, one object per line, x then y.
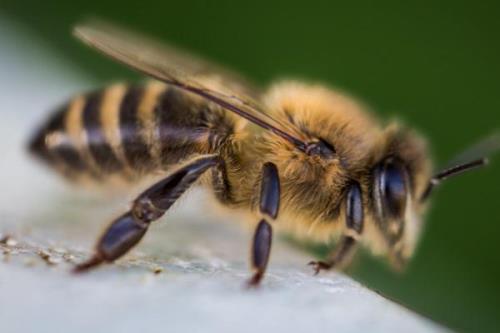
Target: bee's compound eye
{"type": "Point", "coordinates": [391, 185]}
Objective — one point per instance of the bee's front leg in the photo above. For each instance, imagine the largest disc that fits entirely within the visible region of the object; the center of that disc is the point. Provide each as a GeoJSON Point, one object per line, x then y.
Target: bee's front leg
{"type": "Point", "coordinates": [269, 202]}
{"type": "Point", "coordinates": [346, 247]}
{"type": "Point", "coordinates": [128, 229]}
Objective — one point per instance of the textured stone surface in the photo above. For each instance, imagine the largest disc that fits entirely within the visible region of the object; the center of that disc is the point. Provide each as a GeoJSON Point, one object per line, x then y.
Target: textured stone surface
{"type": "Point", "coordinates": [190, 288]}
{"type": "Point", "coordinates": [187, 276]}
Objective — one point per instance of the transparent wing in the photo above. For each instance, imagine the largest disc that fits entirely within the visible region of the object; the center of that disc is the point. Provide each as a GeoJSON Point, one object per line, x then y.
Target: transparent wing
{"type": "Point", "coordinates": [180, 69]}
{"type": "Point", "coordinates": [108, 37]}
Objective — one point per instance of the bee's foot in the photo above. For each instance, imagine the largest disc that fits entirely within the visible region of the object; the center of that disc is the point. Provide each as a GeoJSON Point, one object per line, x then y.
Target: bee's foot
{"type": "Point", "coordinates": [320, 265]}
{"type": "Point", "coordinates": [87, 265]}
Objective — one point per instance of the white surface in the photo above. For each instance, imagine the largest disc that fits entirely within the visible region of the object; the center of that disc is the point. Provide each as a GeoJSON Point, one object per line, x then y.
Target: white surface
{"type": "Point", "coordinates": [204, 264]}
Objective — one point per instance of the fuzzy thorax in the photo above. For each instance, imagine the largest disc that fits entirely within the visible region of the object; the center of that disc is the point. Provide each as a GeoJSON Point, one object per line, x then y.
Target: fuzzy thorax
{"type": "Point", "coordinates": [313, 187]}
{"type": "Point", "coordinates": [311, 183]}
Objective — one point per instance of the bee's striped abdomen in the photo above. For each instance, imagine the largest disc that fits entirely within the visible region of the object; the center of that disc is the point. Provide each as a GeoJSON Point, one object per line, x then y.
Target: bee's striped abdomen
{"type": "Point", "coordinates": [94, 127]}
{"type": "Point", "coordinates": [53, 145]}
{"type": "Point", "coordinates": [129, 131]}
{"type": "Point", "coordinates": [135, 147]}
{"type": "Point", "coordinates": [180, 125]}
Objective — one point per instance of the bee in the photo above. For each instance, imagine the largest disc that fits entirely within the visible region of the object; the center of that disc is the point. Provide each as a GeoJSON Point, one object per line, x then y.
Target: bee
{"type": "Point", "coordinates": [301, 158]}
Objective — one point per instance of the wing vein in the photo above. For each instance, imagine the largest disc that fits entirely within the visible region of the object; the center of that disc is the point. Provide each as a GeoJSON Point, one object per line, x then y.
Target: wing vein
{"type": "Point", "coordinates": [165, 64]}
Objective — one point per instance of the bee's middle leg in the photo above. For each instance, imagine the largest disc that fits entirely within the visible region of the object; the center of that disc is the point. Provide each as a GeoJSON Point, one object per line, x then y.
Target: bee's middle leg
{"type": "Point", "coordinates": [346, 247]}
{"type": "Point", "coordinates": [269, 202]}
{"type": "Point", "coordinates": [128, 229]}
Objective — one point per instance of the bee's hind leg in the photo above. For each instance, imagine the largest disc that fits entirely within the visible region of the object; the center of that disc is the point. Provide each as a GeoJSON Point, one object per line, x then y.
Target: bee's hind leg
{"type": "Point", "coordinates": [346, 247]}
{"type": "Point", "coordinates": [269, 202]}
{"type": "Point", "coordinates": [128, 229]}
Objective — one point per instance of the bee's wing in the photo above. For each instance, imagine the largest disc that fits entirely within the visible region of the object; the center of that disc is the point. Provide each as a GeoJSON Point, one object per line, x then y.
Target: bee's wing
{"type": "Point", "coordinates": [177, 68]}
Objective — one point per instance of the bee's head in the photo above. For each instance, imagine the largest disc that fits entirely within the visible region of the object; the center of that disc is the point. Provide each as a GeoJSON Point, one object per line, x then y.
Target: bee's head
{"type": "Point", "coordinates": [401, 183]}
{"type": "Point", "coordinates": [397, 181]}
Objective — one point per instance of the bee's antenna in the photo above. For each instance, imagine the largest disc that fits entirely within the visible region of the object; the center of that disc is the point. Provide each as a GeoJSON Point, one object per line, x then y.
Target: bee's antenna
{"type": "Point", "coordinates": [472, 158]}
{"type": "Point", "coordinates": [453, 171]}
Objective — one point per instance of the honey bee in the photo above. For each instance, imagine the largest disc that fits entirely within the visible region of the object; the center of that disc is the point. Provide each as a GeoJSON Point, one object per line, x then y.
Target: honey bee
{"type": "Point", "coordinates": [301, 158]}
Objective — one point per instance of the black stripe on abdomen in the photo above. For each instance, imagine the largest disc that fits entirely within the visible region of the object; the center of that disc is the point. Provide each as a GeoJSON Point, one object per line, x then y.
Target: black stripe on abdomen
{"type": "Point", "coordinates": [99, 148]}
{"type": "Point", "coordinates": [179, 127]}
{"type": "Point", "coordinates": [61, 150]}
{"type": "Point", "coordinates": [134, 146]}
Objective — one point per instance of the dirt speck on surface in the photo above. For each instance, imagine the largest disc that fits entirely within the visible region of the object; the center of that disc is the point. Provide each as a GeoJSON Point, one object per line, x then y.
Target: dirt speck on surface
{"type": "Point", "coordinates": [49, 258]}
{"type": "Point", "coordinates": [8, 240]}
{"type": "Point", "coordinates": [157, 270]}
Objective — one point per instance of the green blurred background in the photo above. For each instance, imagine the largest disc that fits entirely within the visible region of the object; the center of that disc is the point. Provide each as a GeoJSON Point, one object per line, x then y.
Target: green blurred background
{"type": "Point", "coordinates": [434, 65]}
